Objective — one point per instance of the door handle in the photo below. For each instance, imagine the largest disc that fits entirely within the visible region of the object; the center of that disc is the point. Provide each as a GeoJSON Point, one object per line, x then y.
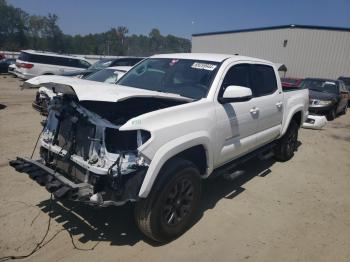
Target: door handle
{"type": "Point", "coordinates": [279, 104]}
{"type": "Point", "coordinates": [254, 110]}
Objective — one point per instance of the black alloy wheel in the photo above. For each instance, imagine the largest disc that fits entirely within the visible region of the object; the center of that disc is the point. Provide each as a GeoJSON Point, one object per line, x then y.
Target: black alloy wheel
{"type": "Point", "coordinates": [178, 203]}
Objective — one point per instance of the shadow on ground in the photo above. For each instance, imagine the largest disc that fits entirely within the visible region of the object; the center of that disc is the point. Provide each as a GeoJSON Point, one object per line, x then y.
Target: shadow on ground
{"type": "Point", "coordinates": [116, 224]}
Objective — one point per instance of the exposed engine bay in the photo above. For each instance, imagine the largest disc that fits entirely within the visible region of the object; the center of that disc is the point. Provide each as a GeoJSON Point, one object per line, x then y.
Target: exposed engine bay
{"type": "Point", "coordinates": [88, 158]}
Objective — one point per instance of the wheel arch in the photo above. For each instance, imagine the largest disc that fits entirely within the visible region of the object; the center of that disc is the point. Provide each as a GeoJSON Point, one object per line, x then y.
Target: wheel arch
{"type": "Point", "coordinates": [193, 147]}
{"type": "Point", "coordinates": [294, 115]}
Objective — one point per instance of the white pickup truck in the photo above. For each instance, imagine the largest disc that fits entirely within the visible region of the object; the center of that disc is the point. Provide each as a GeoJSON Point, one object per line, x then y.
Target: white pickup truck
{"type": "Point", "coordinates": [171, 121]}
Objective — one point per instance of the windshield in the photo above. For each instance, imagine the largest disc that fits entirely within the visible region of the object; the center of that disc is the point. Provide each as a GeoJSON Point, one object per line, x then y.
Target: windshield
{"type": "Point", "coordinates": [325, 86]}
{"type": "Point", "coordinates": [107, 75]}
{"type": "Point", "coordinates": [346, 80]}
{"type": "Point", "coordinates": [189, 78]}
{"type": "Point", "coordinates": [101, 64]}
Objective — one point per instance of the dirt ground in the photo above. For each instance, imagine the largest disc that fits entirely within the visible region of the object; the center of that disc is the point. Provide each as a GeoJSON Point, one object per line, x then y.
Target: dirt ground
{"type": "Point", "coordinates": [293, 211]}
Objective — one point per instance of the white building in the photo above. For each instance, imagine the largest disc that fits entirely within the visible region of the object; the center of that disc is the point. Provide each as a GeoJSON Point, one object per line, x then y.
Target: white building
{"type": "Point", "coordinates": [307, 51]}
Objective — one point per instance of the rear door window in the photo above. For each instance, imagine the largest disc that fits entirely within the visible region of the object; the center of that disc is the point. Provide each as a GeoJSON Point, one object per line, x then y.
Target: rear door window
{"type": "Point", "coordinates": [42, 59]}
{"type": "Point", "coordinates": [262, 80]}
{"type": "Point", "coordinates": [60, 61]}
{"type": "Point", "coordinates": [70, 62]}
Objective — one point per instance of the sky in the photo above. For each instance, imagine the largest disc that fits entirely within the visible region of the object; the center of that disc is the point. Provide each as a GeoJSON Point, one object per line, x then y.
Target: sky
{"type": "Point", "coordinates": [184, 17]}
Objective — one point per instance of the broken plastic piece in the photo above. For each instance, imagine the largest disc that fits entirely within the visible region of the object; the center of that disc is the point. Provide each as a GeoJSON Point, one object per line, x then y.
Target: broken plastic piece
{"type": "Point", "coordinates": [315, 122]}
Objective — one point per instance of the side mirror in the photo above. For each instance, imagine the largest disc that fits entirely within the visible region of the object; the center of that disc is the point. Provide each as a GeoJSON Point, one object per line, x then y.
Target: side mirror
{"type": "Point", "coordinates": [236, 94]}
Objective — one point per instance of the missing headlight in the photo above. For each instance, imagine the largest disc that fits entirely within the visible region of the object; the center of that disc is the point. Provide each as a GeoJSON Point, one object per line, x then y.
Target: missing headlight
{"type": "Point", "coordinates": [117, 141]}
{"type": "Point", "coordinates": [142, 137]}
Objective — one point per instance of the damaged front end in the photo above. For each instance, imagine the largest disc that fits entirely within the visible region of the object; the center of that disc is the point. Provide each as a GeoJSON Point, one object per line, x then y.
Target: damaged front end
{"type": "Point", "coordinates": [85, 157]}
{"type": "Point", "coordinates": [41, 102]}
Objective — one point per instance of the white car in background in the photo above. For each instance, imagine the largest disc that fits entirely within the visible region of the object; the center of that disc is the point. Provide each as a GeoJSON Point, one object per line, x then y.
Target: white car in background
{"type": "Point", "coordinates": [32, 63]}
{"type": "Point", "coordinates": [44, 95]}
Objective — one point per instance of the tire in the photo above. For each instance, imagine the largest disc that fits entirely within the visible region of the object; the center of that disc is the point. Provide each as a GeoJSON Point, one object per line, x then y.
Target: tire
{"type": "Point", "coordinates": [345, 109]}
{"type": "Point", "coordinates": [332, 114]}
{"type": "Point", "coordinates": [170, 208]}
{"type": "Point", "coordinates": [287, 144]}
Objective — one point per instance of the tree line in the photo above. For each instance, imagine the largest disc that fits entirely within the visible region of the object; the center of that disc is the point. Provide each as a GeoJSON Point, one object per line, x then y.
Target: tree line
{"type": "Point", "coordinates": [19, 30]}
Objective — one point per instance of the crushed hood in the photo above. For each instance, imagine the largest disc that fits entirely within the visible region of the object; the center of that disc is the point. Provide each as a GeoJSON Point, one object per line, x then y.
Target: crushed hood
{"type": "Point", "coordinates": [86, 90]}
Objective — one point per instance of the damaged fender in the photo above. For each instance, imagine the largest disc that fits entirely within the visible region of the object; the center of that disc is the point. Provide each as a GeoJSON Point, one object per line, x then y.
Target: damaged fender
{"type": "Point", "coordinates": [171, 149]}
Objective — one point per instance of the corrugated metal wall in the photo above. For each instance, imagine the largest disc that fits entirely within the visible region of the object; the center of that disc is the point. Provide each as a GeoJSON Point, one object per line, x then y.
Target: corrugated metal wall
{"type": "Point", "coordinates": [309, 52]}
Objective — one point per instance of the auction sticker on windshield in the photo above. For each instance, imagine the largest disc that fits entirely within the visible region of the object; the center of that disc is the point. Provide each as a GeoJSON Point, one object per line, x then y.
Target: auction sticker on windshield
{"type": "Point", "coordinates": [204, 66]}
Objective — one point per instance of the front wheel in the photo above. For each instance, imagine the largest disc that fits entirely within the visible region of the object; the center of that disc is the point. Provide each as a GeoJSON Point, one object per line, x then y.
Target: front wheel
{"type": "Point", "coordinates": [287, 144]}
{"type": "Point", "coordinates": [332, 114]}
{"type": "Point", "coordinates": [170, 208]}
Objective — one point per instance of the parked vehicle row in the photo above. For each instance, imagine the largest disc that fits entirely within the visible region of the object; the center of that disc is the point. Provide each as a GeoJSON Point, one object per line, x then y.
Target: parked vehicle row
{"type": "Point", "coordinates": [168, 123]}
{"type": "Point", "coordinates": [328, 97]}
{"type": "Point", "coordinates": [32, 63]}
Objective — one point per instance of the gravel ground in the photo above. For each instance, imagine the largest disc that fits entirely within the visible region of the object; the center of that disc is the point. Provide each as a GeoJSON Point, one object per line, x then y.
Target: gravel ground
{"type": "Point", "coordinates": [293, 211]}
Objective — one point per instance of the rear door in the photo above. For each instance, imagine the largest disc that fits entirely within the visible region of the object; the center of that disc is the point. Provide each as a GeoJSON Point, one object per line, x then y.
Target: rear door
{"type": "Point", "coordinates": [268, 101]}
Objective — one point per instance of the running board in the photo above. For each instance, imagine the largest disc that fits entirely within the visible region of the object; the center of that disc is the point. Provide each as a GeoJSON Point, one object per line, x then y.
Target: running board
{"type": "Point", "coordinates": [229, 168]}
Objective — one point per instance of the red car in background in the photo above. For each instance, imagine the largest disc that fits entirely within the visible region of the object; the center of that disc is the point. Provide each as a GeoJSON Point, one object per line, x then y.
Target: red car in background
{"type": "Point", "coordinates": [290, 83]}
{"type": "Point", "coordinates": [2, 56]}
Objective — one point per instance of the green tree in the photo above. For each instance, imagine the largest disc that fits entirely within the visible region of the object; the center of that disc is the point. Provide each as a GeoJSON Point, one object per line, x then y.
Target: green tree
{"type": "Point", "coordinates": [18, 30]}
{"type": "Point", "coordinates": [53, 33]}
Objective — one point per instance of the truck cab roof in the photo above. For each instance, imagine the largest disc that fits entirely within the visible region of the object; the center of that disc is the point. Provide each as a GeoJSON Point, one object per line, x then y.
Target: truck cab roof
{"type": "Point", "coordinates": [209, 57]}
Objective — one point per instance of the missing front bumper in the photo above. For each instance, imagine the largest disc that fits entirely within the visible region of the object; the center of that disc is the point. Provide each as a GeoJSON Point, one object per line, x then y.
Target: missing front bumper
{"type": "Point", "coordinates": [54, 182]}
{"type": "Point", "coordinates": [114, 192]}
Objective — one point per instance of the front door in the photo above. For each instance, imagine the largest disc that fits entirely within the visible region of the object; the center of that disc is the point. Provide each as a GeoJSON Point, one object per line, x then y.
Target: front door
{"type": "Point", "coordinates": [237, 122]}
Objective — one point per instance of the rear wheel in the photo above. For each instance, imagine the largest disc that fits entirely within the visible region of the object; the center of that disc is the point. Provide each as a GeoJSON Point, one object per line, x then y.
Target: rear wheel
{"type": "Point", "coordinates": [286, 146]}
{"type": "Point", "coordinates": [170, 208]}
